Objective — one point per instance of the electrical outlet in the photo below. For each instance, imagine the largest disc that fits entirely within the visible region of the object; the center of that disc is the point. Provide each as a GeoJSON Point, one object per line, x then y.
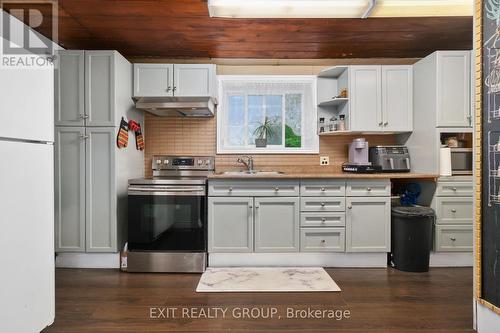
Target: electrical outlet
{"type": "Point", "coordinates": [324, 160]}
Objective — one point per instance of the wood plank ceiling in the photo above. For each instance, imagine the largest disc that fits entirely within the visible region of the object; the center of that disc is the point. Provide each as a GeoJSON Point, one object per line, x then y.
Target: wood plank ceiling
{"type": "Point", "coordinates": [183, 29]}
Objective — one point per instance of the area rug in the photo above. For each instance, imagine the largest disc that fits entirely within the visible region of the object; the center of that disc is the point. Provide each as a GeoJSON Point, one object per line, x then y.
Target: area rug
{"type": "Point", "coordinates": [266, 279]}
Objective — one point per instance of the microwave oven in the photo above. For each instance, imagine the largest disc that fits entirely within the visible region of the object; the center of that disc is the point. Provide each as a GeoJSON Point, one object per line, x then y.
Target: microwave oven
{"type": "Point", "coordinates": [461, 161]}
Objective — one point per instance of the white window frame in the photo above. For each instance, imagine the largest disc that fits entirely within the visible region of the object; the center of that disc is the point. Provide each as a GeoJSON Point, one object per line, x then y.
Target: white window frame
{"type": "Point", "coordinates": [221, 114]}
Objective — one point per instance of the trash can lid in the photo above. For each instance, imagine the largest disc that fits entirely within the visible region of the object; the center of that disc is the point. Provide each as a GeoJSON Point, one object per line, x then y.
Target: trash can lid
{"type": "Point", "coordinates": [412, 211]}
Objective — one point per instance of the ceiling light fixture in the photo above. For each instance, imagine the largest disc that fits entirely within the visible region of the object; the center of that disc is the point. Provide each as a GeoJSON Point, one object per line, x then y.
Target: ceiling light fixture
{"type": "Point", "coordinates": [338, 8]}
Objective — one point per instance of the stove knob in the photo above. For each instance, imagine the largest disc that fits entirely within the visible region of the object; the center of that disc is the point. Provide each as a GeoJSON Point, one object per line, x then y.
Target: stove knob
{"type": "Point", "coordinates": [200, 162]}
{"type": "Point", "coordinates": [166, 162]}
{"type": "Point", "coordinates": [158, 162]}
{"type": "Point", "coordinates": [207, 162]}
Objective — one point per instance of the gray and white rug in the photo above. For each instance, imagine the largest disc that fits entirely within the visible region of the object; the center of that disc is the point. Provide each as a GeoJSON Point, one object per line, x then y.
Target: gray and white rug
{"type": "Point", "coordinates": [266, 279]}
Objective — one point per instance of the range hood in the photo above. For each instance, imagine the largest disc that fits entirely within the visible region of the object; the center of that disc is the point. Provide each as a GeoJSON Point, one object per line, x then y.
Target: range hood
{"type": "Point", "coordinates": [177, 106]}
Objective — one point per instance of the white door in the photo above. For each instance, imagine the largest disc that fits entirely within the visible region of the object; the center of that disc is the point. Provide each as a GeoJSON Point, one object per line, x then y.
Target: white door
{"type": "Point", "coordinates": [365, 92]}
{"type": "Point", "coordinates": [153, 80]}
{"type": "Point", "coordinates": [453, 89]}
{"type": "Point", "coordinates": [27, 237]}
{"type": "Point", "coordinates": [193, 80]}
{"type": "Point", "coordinates": [397, 98]}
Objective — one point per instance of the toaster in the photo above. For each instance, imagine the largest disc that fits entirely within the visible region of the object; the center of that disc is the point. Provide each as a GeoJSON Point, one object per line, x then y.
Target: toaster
{"type": "Point", "coordinates": [390, 158]}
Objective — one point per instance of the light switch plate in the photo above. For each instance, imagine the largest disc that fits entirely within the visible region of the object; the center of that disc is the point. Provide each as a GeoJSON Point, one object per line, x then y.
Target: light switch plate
{"type": "Point", "coordinates": [324, 160]}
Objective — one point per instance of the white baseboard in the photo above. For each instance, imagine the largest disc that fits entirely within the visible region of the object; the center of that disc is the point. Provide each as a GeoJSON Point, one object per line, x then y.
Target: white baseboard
{"type": "Point", "coordinates": [88, 260]}
{"type": "Point", "coordinates": [298, 259]}
{"type": "Point", "coordinates": [451, 259]}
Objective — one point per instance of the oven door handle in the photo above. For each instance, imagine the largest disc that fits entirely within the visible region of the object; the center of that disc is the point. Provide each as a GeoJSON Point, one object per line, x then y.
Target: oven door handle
{"type": "Point", "coordinates": [167, 190]}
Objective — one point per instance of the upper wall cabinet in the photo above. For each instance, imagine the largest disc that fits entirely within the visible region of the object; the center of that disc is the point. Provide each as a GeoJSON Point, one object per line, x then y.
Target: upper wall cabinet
{"type": "Point", "coordinates": [365, 97]}
{"type": "Point", "coordinates": [90, 87]}
{"type": "Point", "coordinates": [442, 88]}
{"type": "Point", "coordinates": [182, 80]}
{"type": "Point", "coordinates": [397, 98]}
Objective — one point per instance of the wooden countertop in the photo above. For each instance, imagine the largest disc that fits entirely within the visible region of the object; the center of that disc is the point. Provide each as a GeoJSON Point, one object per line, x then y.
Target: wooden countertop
{"type": "Point", "coordinates": [323, 175]}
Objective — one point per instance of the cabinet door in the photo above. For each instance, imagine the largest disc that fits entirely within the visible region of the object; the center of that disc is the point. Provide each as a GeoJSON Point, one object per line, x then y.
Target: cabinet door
{"type": "Point", "coordinates": [193, 80]}
{"type": "Point", "coordinates": [230, 224]}
{"type": "Point", "coordinates": [70, 88]}
{"type": "Point", "coordinates": [397, 98]}
{"type": "Point", "coordinates": [153, 80]}
{"type": "Point", "coordinates": [69, 189]}
{"type": "Point", "coordinates": [100, 190]}
{"type": "Point", "coordinates": [100, 88]}
{"type": "Point", "coordinates": [365, 93]}
{"type": "Point", "coordinates": [276, 224]}
{"type": "Point", "coordinates": [368, 224]}
{"type": "Point", "coordinates": [453, 89]}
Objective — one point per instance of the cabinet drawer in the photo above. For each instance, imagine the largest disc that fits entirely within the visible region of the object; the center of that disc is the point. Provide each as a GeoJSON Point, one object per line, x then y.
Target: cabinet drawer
{"type": "Point", "coordinates": [322, 204]}
{"type": "Point", "coordinates": [249, 188]}
{"type": "Point", "coordinates": [317, 188]}
{"type": "Point", "coordinates": [454, 237]}
{"type": "Point", "coordinates": [368, 188]}
{"type": "Point", "coordinates": [322, 239]}
{"type": "Point", "coordinates": [454, 210]}
{"type": "Point", "coordinates": [315, 219]}
{"type": "Point", "coordinates": [455, 189]}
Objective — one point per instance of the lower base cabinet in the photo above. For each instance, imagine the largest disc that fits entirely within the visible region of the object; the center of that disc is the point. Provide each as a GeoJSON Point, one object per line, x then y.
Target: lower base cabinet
{"type": "Point", "coordinates": [230, 224]}
{"type": "Point", "coordinates": [322, 239]}
{"type": "Point", "coordinates": [276, 224]}
{"type": "Point", "coordinates": [368, 224]}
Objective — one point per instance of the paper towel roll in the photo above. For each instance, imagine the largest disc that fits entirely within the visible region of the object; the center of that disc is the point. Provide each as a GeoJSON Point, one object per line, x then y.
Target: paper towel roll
{"type": "Point", "coordinates": [445, 161]}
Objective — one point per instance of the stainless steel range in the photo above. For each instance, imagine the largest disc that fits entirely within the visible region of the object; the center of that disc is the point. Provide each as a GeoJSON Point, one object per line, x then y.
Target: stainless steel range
{"type": "Point", "coordinates": [167, 218]}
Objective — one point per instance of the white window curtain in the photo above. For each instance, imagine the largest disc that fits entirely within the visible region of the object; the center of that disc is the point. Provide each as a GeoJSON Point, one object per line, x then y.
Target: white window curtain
{"type": "Point", "coordinates": [288, 101]}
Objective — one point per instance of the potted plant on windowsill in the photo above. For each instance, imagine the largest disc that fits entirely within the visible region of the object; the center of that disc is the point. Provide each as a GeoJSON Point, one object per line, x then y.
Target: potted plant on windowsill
{"type": "Point", "coordinates": [262, 132]}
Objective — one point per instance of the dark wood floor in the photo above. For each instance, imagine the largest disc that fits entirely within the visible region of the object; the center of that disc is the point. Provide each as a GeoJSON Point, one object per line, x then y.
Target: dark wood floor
{"type": "Point", "coordinates": [379, 300]}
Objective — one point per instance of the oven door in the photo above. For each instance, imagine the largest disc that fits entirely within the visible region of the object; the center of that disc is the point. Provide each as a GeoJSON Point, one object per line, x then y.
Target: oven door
{"type": "Point", "coordinates": [167, 218]}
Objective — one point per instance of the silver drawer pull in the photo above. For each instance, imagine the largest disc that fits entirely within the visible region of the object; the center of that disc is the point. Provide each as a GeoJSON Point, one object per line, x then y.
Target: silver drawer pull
{"type": "Point", "coordinates": [453, 210]}
{"type": "Point", "coordinates": [369, 189]}
{"type": "Point", "coordinates": [323, 189]}
{"type": "Point", "coordinates": [276, 189]}
{"type": "Point", "coordinates": [250, 206]}
{"type": "Point", "coordinates": [322, 204]}
{"type": "Point", "coordinates": [453, 239]}
{"type": "Point", "coordinates": [323, 220]}
{"type": "Point", "coordinates": [230, 189]}
{"type": "Point", "coordinates": [454, 189]}
{"type": "Point", "coordinates": [83, 137]}
{"type": "Point", "coordinates": [323, 241]}
{"type": "Point", "coordinates": [349, 207]}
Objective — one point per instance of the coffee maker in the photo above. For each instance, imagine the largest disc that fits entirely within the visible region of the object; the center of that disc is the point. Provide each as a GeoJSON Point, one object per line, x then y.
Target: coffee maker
{"type": "Point", "coordinates": [358, 158]}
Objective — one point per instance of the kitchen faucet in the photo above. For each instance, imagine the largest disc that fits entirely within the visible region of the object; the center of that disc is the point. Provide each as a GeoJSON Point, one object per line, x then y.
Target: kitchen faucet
{"type": "Point", "coordinates": [248, 163]}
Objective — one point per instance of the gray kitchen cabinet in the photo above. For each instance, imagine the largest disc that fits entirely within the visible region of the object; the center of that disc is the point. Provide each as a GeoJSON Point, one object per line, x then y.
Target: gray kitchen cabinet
{"type": "Point", "coordinates": [91, 172]}
{"type": "Point", "coordinates": [153, 80]}
{"type": "Point", "coordinates": [100, 190]}
{"type": "Point", "coordinates": [230, 224]}
{"type": "Point", "coordinates": [454, 238]}
{"type": "Point", "coordinates": [319, 188]}
{"type": "Point", "coordinates": [365, 98]}
{"type": "Point", "coordinates": [254, 188]}
{"type": "Point", "coordinates": [194, 80]}
{"type": "Point", "coordinates": [69, 189]}
{"type": "Point", "coordinates": [100, 88]}
{"type": "Point", "coordinates": [368, 188]}
{"type": "Point", "coordinates": [368, 224]}
{"type": "Point", "coordinates": [397, 98]}
{"type": "Point", "coordinates": [70, 90]}
{"type": "Point", "coordinates": [322, 204]}
{"type": "Point", "coordinates": [276, 224]}
{"type": "Point", "coordinates": [322, 239]}
{"type": "Point", "coordinates": [181, 80]}
{"type": "Point", "coordinates": [453, 89]}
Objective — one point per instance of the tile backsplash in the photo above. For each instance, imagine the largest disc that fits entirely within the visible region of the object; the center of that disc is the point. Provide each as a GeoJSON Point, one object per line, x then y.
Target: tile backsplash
{"type": "Point", "coordinates": [191, 136]}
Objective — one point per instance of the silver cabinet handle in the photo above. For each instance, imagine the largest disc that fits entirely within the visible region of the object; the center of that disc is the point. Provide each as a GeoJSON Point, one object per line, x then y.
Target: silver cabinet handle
{"type": "Point", "coordinates": [454, 189]}
{"type": "Point", "coordinates": [83, 136]}
{"type": "Point", "coordinates": [369, 189]}
{"type": "Point", "coordinates": [386, 123]}
{"type": "Point", "coordinates": [230, 189]}
{"type": "Point", "coordinates": [175, 88]}
{"type": "Point", "coordinates": [83, 116]}
{"type": "Point", "coordinates": [276, 189]}
{"type": "Point", "coordinates": [323, 189]}
{"type": "Point", "coordinates": [349, 207]}
{"type": "Point", "coordinates": [323, 241]}
{"type": "Point", "coordinates": [380, 124]}
{"type": "Point", "coordinates": [453, 239]}
{"type": "Point", "coordinates": [323, 220]}
{"type": "Point", "coordinates": [257, 206]}
{"type": "Point", "coordinates": [453, 210]}
{"type": "Point", "coordinates": [322, 204]}
{"type": "Point", "coordinates": [169, 88]}
{"type": "Point", "coordinates": [250, 206]}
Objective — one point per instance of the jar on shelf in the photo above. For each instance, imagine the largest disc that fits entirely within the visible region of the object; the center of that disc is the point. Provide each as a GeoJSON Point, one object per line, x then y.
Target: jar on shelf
{"type": "Point", "coordinates": [321, 125]}
{"type": "Point", "coordinates": [341, 123]}
{"type": "Point", "coordinates": [332, 125]}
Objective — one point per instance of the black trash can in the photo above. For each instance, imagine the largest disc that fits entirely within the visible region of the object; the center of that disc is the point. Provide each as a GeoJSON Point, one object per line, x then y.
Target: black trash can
{"type": "Point", "coordinates": [411, 240]}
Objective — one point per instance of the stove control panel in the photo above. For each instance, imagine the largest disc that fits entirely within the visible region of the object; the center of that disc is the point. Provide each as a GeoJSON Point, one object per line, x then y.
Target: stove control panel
{"type": "Point", "coordinates": [162, 162]}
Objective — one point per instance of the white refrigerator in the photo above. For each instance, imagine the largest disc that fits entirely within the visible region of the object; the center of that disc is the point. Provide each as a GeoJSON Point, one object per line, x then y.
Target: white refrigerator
{"type": "Point", "coordinates": [27, 298]}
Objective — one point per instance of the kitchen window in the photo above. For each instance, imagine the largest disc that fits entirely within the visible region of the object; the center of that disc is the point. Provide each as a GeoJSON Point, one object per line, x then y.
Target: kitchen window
{"type": "Point", "coordinates": [286, 103]}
